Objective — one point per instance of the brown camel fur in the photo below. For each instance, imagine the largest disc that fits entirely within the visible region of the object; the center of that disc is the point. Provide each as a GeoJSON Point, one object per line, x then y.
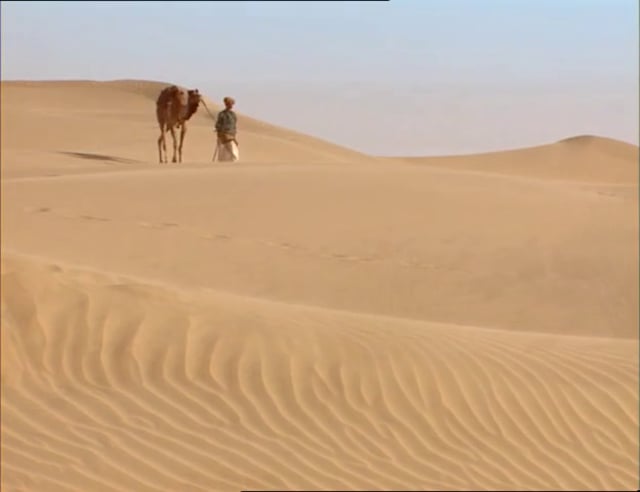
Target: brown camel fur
{"type": "Point", "coordinates": [174, 107]}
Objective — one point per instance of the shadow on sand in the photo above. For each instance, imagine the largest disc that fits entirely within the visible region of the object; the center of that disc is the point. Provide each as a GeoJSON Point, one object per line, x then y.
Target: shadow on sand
{"type": "Point", "coordinates": [100, 157]}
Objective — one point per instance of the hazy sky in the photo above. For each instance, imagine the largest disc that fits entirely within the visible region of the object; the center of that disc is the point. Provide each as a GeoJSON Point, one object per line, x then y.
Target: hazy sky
{"type": "Point", "coordinates": [403, 77]}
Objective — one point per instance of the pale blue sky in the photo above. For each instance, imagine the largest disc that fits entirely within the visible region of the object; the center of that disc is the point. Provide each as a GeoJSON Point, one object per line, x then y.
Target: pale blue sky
{"type": "Point", "coordinates": [443, 76]}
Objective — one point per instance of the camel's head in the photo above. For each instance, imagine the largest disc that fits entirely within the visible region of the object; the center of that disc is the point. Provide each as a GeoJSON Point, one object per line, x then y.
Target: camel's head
{"type": "Point", "coordinates": [193, 101]}
{"type": "Point", "coordinates": [194, 97]}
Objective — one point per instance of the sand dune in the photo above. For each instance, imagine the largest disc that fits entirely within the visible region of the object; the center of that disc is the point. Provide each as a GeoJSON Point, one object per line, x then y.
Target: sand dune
{"type": "Point", "coordinates": [310, 317]}
{"type": "Point", "coordinates": [407, 242]}
{"type": "Point", "coordinates": [79, 127]}
{"type": "Point", "coordinates": [109, 383]}
{"type": "Point", "coordinates": [584, 158]}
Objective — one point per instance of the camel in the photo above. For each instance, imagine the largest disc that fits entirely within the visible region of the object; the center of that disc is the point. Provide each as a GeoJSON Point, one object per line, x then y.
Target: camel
{"type": "Point", "coordinates": [174, 107]}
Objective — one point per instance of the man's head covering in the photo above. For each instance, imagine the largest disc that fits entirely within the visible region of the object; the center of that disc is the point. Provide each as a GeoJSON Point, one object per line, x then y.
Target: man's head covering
{"type": "Point", "coordinates": [229, 100]}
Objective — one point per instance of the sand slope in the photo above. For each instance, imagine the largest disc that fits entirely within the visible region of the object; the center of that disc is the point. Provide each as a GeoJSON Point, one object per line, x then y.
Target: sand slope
{"type": "Point", "coordinates": [584, 158]}
{"type": "Point", "coordinates": [71, 127]}
{"type": "Point", "coordinates": [407, 242]}
{"type": "Point", "coordinates": [309, 318]}
{"type": "Point", "coordinates": [109, 383]}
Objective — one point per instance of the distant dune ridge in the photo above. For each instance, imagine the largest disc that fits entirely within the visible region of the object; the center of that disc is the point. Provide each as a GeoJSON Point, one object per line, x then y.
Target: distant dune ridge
{"type": "Point", "coordinates": [309, 317]}
{"type": "Point", "coordinates": [585, 158]}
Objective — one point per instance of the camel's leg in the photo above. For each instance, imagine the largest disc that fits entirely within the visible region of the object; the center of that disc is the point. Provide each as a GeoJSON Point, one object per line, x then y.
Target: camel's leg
{"type": "Point", "coordinates": [183, 131]}
{"type": "Point", "coordinates": [164, 149]}
{"type": "Point", "coordinates": [161, 143]}
{"type": "Point", "coordinates": [175, 144]}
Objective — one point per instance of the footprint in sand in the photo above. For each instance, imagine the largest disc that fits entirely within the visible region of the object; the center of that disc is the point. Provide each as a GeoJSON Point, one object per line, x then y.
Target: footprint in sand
{"type": "Point", "coordinates": [149, 225]}
{"type": "Point", "coordinates": [219, 237]}
{"type": "Point", "coordinates": [288, 246]}
{"type": "Point", "coordinates": [340, 256]}
{"type": "Point", "coordinates": [607, 193]}
{"type": "Point", "coordinates": [37, 210]}
{"type": "Point", "coordinates": [97, 219]}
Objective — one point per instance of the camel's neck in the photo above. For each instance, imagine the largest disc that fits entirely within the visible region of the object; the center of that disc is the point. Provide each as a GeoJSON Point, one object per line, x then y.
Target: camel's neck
{"type": "Point", "coordinates": [184, 112]}
{"type": "Point", "coordinates": [190, 110]}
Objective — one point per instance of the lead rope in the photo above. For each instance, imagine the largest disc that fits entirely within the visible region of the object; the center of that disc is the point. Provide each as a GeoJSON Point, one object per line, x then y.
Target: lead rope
{"type": "Point", "coordinates": [205, 107]}
{"type": "Point", "coordinates": [215, 152]}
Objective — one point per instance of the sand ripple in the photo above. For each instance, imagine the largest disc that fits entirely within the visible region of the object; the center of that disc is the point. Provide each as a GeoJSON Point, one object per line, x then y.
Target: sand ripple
{"type": "Point", "coordinates": [111, 384]}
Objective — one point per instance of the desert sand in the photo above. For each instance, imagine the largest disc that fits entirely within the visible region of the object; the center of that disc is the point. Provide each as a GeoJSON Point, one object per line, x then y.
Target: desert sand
{"type": "Point", "coordinates": [309, 317]}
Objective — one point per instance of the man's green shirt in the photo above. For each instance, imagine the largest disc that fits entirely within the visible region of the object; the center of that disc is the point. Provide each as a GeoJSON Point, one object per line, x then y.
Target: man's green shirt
{"type": "Point", "coordinates": [226, 122]}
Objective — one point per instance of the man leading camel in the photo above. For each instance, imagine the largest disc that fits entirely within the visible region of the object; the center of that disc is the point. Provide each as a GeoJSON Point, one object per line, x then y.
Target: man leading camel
{"type": "Point", "coordinates": [227, 149]}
